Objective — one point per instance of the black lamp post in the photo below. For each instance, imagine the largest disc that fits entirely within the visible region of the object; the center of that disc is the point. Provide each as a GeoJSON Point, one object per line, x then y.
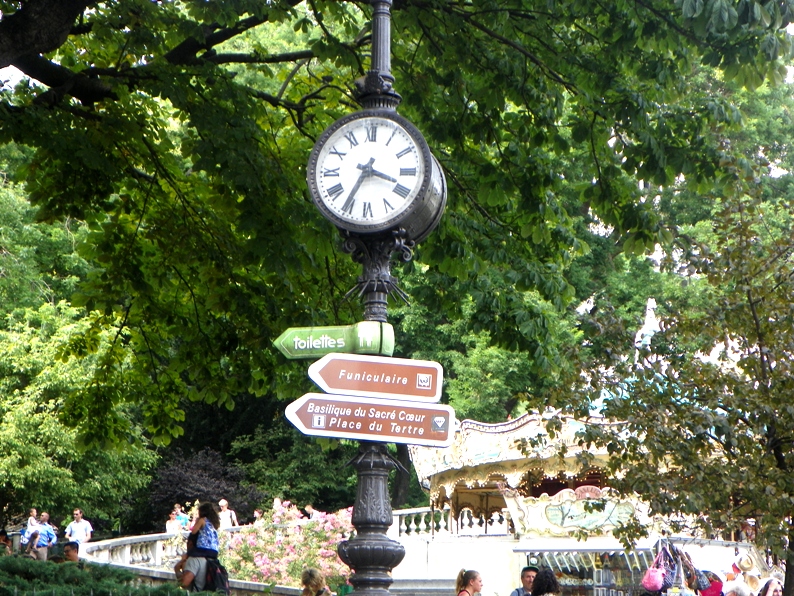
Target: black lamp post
{"type": "Point", "coordinates": [345, 163]}
{"type": "Point", "coordinates": [371, 554]}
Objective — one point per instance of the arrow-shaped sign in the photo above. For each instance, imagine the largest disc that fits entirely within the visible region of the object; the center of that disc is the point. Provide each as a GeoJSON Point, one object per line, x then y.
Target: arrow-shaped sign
{"type": "Point", "coordinates": [368, 419]}
{"type": "Point", "coordinates": [365, 337]}
{"type": "Point", "coordinates": [375, 376]}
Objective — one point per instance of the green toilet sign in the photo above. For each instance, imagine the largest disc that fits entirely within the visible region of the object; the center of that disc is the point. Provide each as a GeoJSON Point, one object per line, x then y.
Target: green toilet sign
{"type": "Point", "coordinates": [366, 337]}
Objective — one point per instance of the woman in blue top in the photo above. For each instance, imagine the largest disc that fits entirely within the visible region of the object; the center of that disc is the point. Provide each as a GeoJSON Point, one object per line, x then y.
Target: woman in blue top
{"type": "Point", "coordinates": [204, 532]}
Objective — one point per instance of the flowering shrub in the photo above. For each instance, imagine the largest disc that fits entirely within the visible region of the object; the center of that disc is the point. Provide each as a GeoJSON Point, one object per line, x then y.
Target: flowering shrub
{"type": "Point", "coordinates": [284, 543]}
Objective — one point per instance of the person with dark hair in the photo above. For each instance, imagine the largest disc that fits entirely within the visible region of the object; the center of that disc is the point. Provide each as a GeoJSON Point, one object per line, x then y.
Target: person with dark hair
{"type": "Point", "coordinates": [70, 552]}
{"type": "Point", "coordinates": [205, 532]}
{"type": "Point", "coordinates": [45, 538]}
{"type": "Point", "coordinates": [468, 583]}
{"type": "Point", "coordinates": [172, 525]}
{"type": "Point", "coordinates": [773, 587]}
{"type": "Point", "coordinates": [528, 574]}
{"type": "Point", "coordinates": [259, 520]}
{"type": "Point", "coordinates": [79, 530]}
{"type": "Point", "coordinates": [545, 583]}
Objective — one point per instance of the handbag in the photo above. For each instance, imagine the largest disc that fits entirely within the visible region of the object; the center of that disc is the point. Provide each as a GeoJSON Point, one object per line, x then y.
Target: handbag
{"type": "Point", "coordinates": [654, 575]}
{"type": "Point", "coordinates": [690, 572]}
{"type": "Point", "coordinates": [680, 580]}
{"type": "Point", "coordinates": [670, 569]}
{"type": "Point", "coordinates": [703, 582]}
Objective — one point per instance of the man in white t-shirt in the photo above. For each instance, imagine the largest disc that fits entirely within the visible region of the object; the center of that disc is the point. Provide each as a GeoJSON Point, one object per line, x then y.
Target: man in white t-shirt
{"type": "Point", "coordinates": [227, 516]}
{"type": "Point", "coordinates": [79, 530]}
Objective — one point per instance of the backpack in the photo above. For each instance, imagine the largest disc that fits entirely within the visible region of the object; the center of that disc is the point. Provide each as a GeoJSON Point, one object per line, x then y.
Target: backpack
{"type": "Point", "coordinates": [217, 577]}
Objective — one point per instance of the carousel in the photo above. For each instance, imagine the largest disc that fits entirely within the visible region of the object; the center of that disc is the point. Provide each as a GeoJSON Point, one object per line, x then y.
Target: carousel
{"type": "Point", "coordinates": [549, 494]}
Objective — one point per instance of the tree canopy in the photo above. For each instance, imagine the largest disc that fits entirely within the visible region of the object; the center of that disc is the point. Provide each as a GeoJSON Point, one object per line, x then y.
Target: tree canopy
{"type": "Point", "coordinates": [178, 131]}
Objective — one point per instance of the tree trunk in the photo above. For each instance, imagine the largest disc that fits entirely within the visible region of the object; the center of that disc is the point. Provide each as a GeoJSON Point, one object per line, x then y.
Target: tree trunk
{"type": "Point", "coordinates": [402, 479]}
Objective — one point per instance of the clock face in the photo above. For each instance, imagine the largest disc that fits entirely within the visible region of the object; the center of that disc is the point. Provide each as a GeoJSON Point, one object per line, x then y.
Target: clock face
{"type": "Point", "coordinates": [366, 171]}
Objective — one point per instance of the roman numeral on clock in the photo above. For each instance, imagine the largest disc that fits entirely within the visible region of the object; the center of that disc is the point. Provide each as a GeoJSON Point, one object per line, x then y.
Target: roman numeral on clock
{"type": "Point", "coordinates": [405, 151]}
{"type": "Point", "coordinates": [387, 206]}
{"type": "Point", "coordinates": [401, 190]}
{"type": "Point", "coordinates": [335, 191]}
{"type": "Point", "coordinates": [406, 171]}
{"type": "Point", "coordinates": [339, 154]}
{"type": "Point", "coordinates": [372, 133]}
{"type": "Point", "coordinates": [352, 138]}
{"type": "Point", "coordinates": [334, 172]}
{"type": "Point", "coordinates": [367, 211]}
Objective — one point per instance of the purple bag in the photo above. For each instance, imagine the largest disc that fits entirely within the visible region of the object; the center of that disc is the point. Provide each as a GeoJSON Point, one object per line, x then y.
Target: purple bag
{"type": "Point", "coordinates": [654, 576]}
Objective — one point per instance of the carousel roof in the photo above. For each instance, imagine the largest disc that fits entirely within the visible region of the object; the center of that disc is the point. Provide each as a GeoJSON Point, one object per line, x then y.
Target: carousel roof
{"type": "Point", "coordinates": [507, 453]}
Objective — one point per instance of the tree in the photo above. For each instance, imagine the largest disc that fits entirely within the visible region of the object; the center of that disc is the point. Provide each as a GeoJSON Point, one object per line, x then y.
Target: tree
{"type": "Point", "coordinates": [37, 261]}
{"type": "Point", "coordinates": [707, 427]}
{"type": "Point", "coordinates": [42, 462]}
{"type": "Point", "coordinates": [204, 476]}
{"type": "Point", "coordinates": [285, 464]}
{"type": "Point", "coordinates": [179, 133]}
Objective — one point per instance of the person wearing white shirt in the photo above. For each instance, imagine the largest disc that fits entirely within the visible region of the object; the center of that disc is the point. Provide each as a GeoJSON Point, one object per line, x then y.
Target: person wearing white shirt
{"type": "Point", "coordinates": [79, 530]}
{"type": "Point", "coordinates": [227, 516]}
{"type": "Point", "coordinates": [173, 525]}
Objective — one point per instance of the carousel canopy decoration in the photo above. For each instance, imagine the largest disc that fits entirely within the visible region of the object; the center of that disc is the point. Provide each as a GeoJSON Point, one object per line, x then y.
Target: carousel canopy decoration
{"type": "Point", "coordinates": [489, 458]}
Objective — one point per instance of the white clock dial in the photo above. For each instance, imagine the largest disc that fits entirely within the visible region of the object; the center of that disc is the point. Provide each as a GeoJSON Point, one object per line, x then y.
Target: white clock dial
{"type": "Point", "coordinates": [368, 171]}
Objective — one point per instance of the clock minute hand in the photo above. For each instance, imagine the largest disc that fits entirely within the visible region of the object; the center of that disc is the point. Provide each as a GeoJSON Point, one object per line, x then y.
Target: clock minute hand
{"type": "Point", "coordinates": [366, 172]}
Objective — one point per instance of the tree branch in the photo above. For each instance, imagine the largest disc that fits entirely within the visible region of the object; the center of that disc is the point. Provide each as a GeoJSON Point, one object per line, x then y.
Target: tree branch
{"type": "Point", "coordinates": [231, 58]}
{"type": "Point", "coordinates": [39, 26]}
{"type": "Point", "coordinates": [63, 81]}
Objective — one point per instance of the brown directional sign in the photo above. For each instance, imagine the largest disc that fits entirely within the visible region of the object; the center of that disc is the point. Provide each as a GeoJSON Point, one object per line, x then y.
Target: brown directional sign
{"type": "Point", "coordinates": [371, 419]}
{"type": "Point", "coordinates": [378, 376]}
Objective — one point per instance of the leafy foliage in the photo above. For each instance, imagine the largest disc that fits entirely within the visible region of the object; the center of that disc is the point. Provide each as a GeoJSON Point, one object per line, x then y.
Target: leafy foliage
{"type": "Point", "coordinates": [42, 461]}
{"type": "Point", "coordinates": [179, 131]}
{"type": "Point", "coordinates": [704, 399]}
{"type": "Point", "coordinates": [285, 464]}
{"type": "Point", "coordinates": [177, 134]}
{"type": "Point", "coordinates": [21, 575]}
{"type": "Point", "coordinates": [37, 261]}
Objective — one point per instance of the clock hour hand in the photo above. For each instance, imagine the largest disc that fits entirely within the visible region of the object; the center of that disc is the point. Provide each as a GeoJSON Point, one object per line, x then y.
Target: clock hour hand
{"type": "Point", "coordinates": [384, 176]}
{"type": "Point", "coordinates": [367, 167]}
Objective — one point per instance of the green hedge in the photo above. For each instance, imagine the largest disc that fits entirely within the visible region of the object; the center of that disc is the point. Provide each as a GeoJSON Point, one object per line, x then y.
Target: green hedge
{"type": "Point", "coordinates": [20, 576]}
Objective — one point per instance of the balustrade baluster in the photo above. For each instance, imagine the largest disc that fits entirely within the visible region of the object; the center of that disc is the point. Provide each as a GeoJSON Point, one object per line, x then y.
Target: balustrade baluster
{"type": "Point", "coordinates": [425, 518]}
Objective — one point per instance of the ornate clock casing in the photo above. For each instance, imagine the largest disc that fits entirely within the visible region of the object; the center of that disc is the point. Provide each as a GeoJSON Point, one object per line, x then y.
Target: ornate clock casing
{"type": "Point", "coordinates": [371, 172]}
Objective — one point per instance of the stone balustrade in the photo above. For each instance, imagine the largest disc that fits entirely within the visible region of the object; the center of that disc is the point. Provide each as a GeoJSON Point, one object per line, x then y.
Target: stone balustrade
{"type": "Point", "coordinates": [152, 556]}
{"type": "Point", "coordinates": [430, 522]}
{"type": "Point", "coordinates": [149, 550]}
